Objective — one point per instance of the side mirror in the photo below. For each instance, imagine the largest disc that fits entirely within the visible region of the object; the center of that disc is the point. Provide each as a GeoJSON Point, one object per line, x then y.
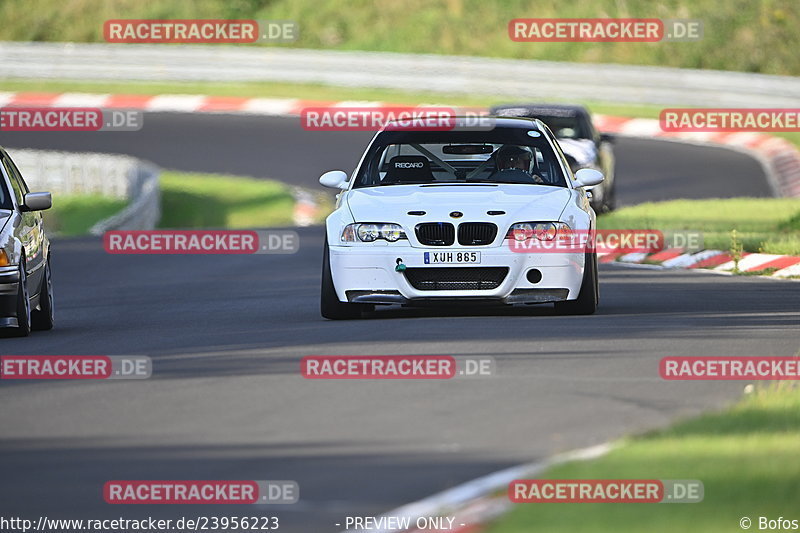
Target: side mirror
{"type": "Point", "coordinates": [607, 138]}
{"type": "Point", "coordinates": [588, 177]}
{"type": "Point", "coordinates": [335, 179]}
{"type": "Point", "coordinates": [36, 201]}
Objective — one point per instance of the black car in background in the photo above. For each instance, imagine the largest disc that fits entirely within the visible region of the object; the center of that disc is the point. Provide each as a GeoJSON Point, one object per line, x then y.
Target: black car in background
{"type": "Point", "coordinates": [583, 146]}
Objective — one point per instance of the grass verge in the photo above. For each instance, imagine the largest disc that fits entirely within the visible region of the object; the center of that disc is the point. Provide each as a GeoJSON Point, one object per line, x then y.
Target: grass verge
{"type": "Point", "coordinates": [75, 215]}
{"type": "Point", "coordinates": [738, 34]}
{"type": "Point", "coordinates": [746, 458]}
{"type": "Point", "coordinates": [219, 201]}
{"type": "Point", "coordinates": [767, 225]}
{"type": "Point", "coordinates": [187, 201]}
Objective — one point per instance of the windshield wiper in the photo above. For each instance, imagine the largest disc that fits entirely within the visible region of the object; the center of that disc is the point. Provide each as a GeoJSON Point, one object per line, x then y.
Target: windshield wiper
{"type": "Point", "coordinates": [513, 183]}
{"type": "Point", "coordinates": [462, 183]}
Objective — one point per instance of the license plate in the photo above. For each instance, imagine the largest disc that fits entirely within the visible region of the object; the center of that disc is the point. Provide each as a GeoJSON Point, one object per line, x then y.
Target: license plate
{"type": "Point", "coordinates": [452, 258]}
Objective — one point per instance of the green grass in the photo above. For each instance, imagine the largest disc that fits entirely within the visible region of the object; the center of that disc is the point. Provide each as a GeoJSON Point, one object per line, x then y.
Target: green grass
{"type": "Point", "coordinates": [739, 34]}
{"type": "Point", "coordinates": [746, 458]}
{"type": "Point", "coordinates": [768, 225]}
{"type": "Point", "coordinates": [218, 201]}
{"type": "Point", "coordinates": [75, 215]}
{"type": "Point", "coordinates": [187, 201]}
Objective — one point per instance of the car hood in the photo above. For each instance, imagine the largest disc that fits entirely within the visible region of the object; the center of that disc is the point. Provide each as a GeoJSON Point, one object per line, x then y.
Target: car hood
{"type": "Point", "coordinates": [582, 150]}
{"type": "Point", "coordinates": [519, 203]}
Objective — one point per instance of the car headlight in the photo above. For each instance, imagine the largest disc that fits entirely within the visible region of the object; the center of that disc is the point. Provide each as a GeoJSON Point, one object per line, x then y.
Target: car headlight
{"type": "Point", "coordinates": [368, 232]}
{"type": "Point", "coordinates": [392, 232]}
{"type": "Point", "coordinates": [372, 231]}
{"type": "Point", "coordinates": [543, 231]}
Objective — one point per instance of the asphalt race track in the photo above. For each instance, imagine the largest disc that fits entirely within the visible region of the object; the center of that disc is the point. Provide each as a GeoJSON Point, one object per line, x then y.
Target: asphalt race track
{"type": "Point", "coordinates": [226, 334]}
{"type": "Point", "coordinates": [277, 147]}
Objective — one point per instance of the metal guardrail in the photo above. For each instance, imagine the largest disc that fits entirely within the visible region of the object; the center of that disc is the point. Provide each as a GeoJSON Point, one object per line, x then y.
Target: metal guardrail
{"type": "Point", "coordinates": [115, 176]}
{"type": "Point", "coordinates": [508, 78]}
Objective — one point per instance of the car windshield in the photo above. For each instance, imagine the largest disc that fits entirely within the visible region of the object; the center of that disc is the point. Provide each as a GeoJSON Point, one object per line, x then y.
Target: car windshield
{"type": "Point", "coordinates": [566, 127]}
{"type": "Point", "coordinates": [516, 156]}
{"type": "Point", "coordinates": [5, 199]}
{"type": "Point", "coordinates": [565, 123]}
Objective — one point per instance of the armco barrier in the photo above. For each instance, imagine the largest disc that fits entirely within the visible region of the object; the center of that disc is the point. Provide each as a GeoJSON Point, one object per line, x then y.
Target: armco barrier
{"type": "Point", "coordinates": [507, 78]}
{"type": "Point", "coordinates": [115, 176]}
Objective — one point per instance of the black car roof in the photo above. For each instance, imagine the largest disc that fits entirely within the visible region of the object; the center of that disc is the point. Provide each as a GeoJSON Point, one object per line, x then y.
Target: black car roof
{"type": "Point", "coordinates": [504, 122]}
{"type": "Point", "coordinates": [551, 110]}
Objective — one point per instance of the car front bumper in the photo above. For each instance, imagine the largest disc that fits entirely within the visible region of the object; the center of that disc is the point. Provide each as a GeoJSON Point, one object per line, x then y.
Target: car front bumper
{"type": "Point", "coordinates": [9, 287]}
{"type": "Point", "coordinates": [367, 274]}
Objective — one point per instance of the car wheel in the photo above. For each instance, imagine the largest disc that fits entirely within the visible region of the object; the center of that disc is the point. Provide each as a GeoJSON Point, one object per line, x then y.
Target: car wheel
{"type": "Point", "coordinates": [589, 295]}
{"type": "Point", "coordinates": [23, 328]}
{"type": "Point", "coordinates": [611, 201]}
{"type": "Point", "coordinates": [329, 305]}
{"type": "Point", "coordinates": [42, 318]}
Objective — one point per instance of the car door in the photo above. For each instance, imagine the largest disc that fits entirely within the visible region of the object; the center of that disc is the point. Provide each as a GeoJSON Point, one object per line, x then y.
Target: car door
{"type": "Point", "coordinates": [29, 231]}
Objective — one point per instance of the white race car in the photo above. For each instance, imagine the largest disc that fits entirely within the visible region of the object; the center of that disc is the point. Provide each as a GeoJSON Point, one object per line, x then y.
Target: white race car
{"type": "Point", "coordinates": [445, 216]}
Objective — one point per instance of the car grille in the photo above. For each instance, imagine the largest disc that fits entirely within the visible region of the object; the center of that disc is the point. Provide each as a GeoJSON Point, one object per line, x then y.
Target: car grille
{"type": "Point", "coordinates": [456, 279]}
{"type": "Point", "coordinates": [436, 233]}
{"type": "Point", "coordinates": [476, 233]}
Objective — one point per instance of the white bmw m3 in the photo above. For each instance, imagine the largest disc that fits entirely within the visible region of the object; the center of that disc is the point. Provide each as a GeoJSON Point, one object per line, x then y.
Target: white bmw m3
{"type": "Point", "coordinates": [445, 217]}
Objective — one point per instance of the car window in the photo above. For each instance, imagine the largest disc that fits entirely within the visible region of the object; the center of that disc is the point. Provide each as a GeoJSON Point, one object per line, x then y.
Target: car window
{"type": "Point", "coordinates": [16, 183]}
{"type": "Point", "coordinates": [567, 127]}
{"type": "Point", "coordinates": [429, 158]}
{"type": "Point", "coordinates": [565, 123]}
{"type": "Point", "coordinates": [15, 171]}
{"type": "Point", "coordinates": [5, 196]}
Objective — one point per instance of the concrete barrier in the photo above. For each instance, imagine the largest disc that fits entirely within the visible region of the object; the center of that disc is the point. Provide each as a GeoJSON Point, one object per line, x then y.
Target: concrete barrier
{"type": "Point", "coordinates": [114, 176]}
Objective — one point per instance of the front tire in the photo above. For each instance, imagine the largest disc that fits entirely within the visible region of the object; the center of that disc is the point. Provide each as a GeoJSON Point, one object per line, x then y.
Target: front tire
{"type": "Point", "coordinates": [610, 200]}
{"type": "Point", "coordinates": [42, 319]}
{"type": "Point", "coordinates": [329, 305]}
{"type": "Point", "coordinates": [589, 295]}
{"type": "Point", "coordinates": [23, 328]}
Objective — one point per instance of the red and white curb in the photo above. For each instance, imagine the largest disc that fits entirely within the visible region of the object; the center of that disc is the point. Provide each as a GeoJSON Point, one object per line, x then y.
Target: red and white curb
{"type": "Point", "coordinates": [780, 266]}
{"type": "Point", "coordinates": [306, 209]}
{"type": "Point", "coordinates": [473, 504]}
{"type": "Point", "coordinates": [779, 157]}
{"type": "Point", "coordinates": [178, 103]}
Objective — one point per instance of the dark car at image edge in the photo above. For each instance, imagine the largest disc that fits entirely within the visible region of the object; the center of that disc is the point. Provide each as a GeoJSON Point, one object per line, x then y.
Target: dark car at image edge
{"type": "Point", "coordinates": [26, 287]}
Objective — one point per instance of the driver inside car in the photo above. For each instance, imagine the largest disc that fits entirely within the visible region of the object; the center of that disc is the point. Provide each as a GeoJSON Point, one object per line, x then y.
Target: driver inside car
{"type": "Point", "coordinates": [514, 164]}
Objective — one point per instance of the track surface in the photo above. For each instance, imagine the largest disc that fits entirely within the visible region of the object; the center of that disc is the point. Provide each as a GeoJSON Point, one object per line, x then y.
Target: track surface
{"type": "Point", "coordinates": [227, 332]}
{"type": "Point", "coordinates": [279, 148]}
